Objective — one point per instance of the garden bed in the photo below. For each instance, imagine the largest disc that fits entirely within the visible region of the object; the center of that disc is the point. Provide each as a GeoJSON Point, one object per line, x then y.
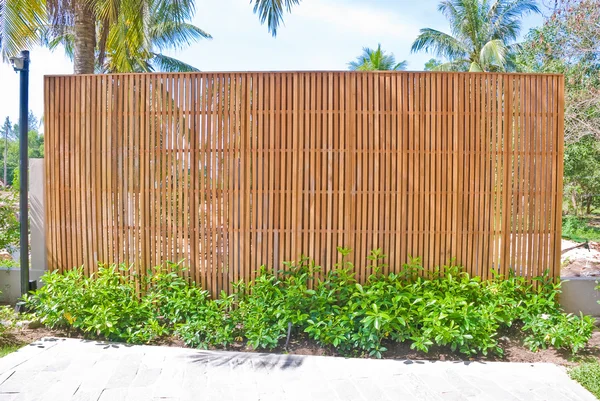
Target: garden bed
{"type": "Point", "coordinates": [412, 314]}
{"type": "Point", "coordinates": [515, 350]}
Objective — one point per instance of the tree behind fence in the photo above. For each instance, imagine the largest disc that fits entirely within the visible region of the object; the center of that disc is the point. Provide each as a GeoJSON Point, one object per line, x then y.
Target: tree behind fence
{"type": "Point", "coordinates": [230, 171]}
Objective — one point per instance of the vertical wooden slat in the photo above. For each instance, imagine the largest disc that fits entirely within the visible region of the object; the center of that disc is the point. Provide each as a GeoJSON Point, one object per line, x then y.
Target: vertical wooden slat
{"type": "Point", "coordinates": [558, 183]}
{"type": "Point", "coordinates": [507, 182]}
{"type": "Point", "coordinates": [537, 168]}
{"type": "Point", "coordinates": [403, 177]}
{"type": "Point", "coordinates": [544, 262]}
{"type": "Point", "coordinates": [271, 150]}
{"type": "Point", "coordinates": [50, 251]}
{"type": "Point", "coordinates": [129, 218]}
{"type": "Point", "coordinates": [180, 173]}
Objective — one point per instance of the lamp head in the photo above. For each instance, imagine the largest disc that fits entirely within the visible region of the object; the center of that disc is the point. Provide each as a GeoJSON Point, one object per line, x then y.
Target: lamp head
{"type": "Point", "coordinates": [20, 63]}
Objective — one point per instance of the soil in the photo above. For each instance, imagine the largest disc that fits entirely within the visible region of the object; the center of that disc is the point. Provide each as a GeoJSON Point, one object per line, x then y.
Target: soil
{"type": "Point", "coordinates": [514, 350]}
{"type": "Point", "coordinates": [580, 261]}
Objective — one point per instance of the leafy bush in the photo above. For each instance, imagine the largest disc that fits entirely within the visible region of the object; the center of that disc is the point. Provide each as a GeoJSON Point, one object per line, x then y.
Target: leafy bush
{"type": "Point", "coordinates": [9, 318]}
{"type": "Point", "coordinates": [446, 308]}
{"type": "Point", "coordinates": [588, 375]}
{"type": "Point", "coordinates": [104, 305]}
{"type": "Point", "coordinates": [217, 323]}
{"type": "Point", "coordinates": [171, 296]}
{"type": "Point", "coordinates": [9, 224]}
{"type": "Point", "coordinates": [9, 264]}
{"type": "Point", "coordinates": [108, 304]}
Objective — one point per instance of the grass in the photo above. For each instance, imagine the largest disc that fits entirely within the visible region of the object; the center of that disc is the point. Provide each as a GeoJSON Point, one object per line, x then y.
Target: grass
{"type": "Point", "coordinates": [6, 349]}
{"type": "Point", "coordinates": [588, 375]}
{"type": "Point", "coordinates": [578, 229]}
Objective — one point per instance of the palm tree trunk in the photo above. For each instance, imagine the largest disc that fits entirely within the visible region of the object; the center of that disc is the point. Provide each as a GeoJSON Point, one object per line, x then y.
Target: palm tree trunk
{"type": "Point", "coordinates": [85, 38]}
{"type": "Point", "coordinates": [589, 204]}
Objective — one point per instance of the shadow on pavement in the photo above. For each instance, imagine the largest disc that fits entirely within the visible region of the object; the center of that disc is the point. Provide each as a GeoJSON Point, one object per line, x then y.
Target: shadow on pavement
{"type": "Point", "coordinates": [255, 361]}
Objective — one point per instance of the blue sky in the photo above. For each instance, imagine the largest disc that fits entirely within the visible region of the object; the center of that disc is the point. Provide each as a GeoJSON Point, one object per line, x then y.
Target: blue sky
{"type": "Point", "coordinates": [318, 35]}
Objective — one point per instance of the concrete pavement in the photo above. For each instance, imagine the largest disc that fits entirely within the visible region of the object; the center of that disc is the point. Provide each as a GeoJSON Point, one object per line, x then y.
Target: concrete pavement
{"type": "Point", "coordinates": [70, 369]}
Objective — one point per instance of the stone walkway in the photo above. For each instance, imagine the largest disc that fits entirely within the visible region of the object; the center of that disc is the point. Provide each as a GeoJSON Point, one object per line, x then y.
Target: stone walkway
{"type": "Point", "coordinates": [70, 369]}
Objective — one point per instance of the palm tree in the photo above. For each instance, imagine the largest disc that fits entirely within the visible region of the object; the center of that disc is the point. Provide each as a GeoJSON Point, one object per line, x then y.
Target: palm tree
{"type": "Point", "coordinates": [131, 35]}
{"type": "Point", "coordinates": [483, 34]}
{"type": "Point", "coordinates": [127, 48]}
{"type": "Point", "coordinates": [376, 60]}
{"type": "Point", "coordinates": [84, 27]}
{"type": "Point", "coordinates": [132, 32]}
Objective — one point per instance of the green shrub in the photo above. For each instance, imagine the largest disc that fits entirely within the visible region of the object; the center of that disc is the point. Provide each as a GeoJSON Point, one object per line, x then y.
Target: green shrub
{"type": "Point", "coordinates": [104, 305]}
{"type": "Point", "coordinates": [171, 296]}
{"type": "Point", "coordinates": [109, 305]}
{"type": "Point", "coordinates": [9, 224]}
{"type": "Point", "coordinates": [217, 323]}
{"type": "Point", "coordinates": [446, 308]}
{"type": "Point", "coordinates": [588, 375]}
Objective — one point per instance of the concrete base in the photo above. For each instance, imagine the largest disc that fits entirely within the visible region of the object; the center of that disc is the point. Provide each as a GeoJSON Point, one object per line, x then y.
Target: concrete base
{"type": "Point", "coordinates": [10, 283]}
{"type": "Point", "coordinates": [580, 295]}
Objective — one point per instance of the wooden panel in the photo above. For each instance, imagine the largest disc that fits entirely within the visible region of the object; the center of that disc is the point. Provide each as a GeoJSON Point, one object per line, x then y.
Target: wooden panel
{"type": "Point", "coordinates": [225, 172]}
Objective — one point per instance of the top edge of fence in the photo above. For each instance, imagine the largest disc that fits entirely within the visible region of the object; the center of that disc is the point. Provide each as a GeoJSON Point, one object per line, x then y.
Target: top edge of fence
{"type": "Point", "coordinates": [284, 72]}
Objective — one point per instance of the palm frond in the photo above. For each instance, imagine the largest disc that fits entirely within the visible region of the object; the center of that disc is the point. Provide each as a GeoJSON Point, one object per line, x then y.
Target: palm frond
{"type": "Point", "coordinates": [107, 10]}
{"type": "Point", "coordinates": [401, 66]}
{"type": "Point", "coordinates": [271, 12]}
{"type": "Point", "coordinates": [376, 60]}
{"type": "Point", "coordinates": [174, 35]}
{"type": "Point", "coordinates": [493, 53]}
{"type": "Point", "coordinates": [475, 67]}
{"type": "Point", "coordinates": [506, 22]}
{"type": "Point", "coordinates": [163, 63]}
{"type": "Point", "coordinates": [454, 13]}
{"type": "Point", "coordinates": [439, 43]}
{"type": "Point", "coordinates": [178, 10]}
{"type": "Point", "coordinates": [21, 25]}
{"type": "Point", "coordinates": [481, 31]}
{"type": "Point", "coordinates": [65, 40]}
{"type": "Point", "coordinates": [457, 65]}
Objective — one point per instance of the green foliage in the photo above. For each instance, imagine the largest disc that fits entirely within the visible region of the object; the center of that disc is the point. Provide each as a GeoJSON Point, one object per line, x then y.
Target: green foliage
{"type": "Point", "coordinates": [9, 224]}
{"type": "Point", "coordinates": [446, 308]}
{"type": "Point", "coordinates": [432, 64]}
{"type": "Point", "coordinates": [172, 297]}
{"type": "Point", "coordinates": [8, 349]}
{"type": "Point", "coordinates": [105, 305]}
{"type": "Point", "coordinates": [546, 325]}
{"type": "Point", "coordinates": [9, 318]}
{"type": "Point", "coordinates": [9, 147]}
{"type": "Point", "coordinates": [16, 183]}
{"type": "Point", "coordinates": [218, 323]}
{"type": "Point", "coordinates": [376, 60]}
{"type": "Point", "coordinates": [271, 12]}
{"type": "Point", "coordinates": [588, 375]}
{"type": "Point", "coordinates": [568, 43]}
{"type": "Point", "coordinates": [582, 174]}
{"type": "Point", "coordinates": [3, 326]}
{"type": "Point", "coordinates": [482, 34]}
{"type": "Point", "coordinates": [578, 229]}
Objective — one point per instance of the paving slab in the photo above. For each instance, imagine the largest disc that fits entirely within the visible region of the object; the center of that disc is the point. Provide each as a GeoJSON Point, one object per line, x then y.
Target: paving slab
{"type": "Point", "coordinates": [60, 369]}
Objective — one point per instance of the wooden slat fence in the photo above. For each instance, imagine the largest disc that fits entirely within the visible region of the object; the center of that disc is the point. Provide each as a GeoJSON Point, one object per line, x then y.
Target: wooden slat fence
{"type": "Point", "coordinates": [230, 171]}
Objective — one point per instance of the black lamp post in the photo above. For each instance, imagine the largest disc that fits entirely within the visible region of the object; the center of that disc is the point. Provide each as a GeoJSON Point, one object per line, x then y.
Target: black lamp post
{"type": "Point", "coordinates": [21, 65]}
